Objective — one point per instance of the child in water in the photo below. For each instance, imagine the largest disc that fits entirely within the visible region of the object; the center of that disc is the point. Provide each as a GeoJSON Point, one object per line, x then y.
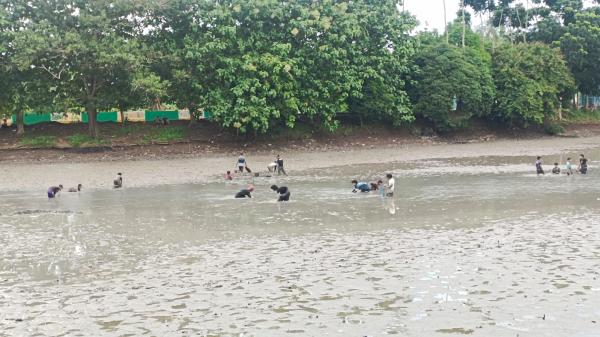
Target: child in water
{"type": "Point", "coordinates": [556, 169]}
{"type": "Point", "coordinates": [569, 167]}
{"type": "Point", "coordinates": [583, 167]}
{"type": "Point", "coordinates": [538, 166]}
{"type": "Point", "coordinates": [228, 176]}
{"type": "Point", "coordinates": [118, 183]}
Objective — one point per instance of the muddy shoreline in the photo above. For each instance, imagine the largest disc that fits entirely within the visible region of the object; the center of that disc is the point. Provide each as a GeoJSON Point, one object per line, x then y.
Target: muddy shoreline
{"type": "Point", "coordinates": [34, 170]}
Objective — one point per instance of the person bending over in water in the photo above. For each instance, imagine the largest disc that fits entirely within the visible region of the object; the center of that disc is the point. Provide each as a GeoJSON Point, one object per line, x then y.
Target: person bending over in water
{"type": "Point", "coordinates": [556, 169]}
{"type": "Point", "coordinates": [284, 192]}
{"type": "Point", "coordinates": [582, 164]}
{"type": "Point", "coordinates": [53, 191]}
{"type": "Point", "coordinates": [78, 189]}
{"type": "Point", "coordinates": [118, 183]}
{"type": "Point", "coordinates": [360, 186]}
{"type": "Point", "coordinates": [245, 193]}
{"type": "Point", "coordinates": [538, 166]}
{"type": "Point", "coordinates": [376, 186]}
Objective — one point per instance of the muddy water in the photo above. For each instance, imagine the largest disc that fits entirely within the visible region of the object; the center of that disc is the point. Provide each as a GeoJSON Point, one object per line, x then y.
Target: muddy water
{"type": "Point", "coordinates": [476, 247]}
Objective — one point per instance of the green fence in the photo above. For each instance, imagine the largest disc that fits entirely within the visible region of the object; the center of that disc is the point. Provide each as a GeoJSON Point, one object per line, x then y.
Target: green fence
{"type": "Point", "coordinates": [103, 116]}
{"type": "Point", "coordinates": [31, 119]}
{"type": "Point", "coordinates": [151, 115]}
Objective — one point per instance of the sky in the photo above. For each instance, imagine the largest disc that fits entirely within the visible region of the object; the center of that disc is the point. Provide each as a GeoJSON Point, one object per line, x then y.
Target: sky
{"type": "Point", "coordinates": [430, 13]}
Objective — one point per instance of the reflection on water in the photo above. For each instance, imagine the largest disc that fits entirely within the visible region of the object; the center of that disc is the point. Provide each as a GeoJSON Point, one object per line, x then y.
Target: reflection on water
{"type": "Point", "coordinates": [480, 250]}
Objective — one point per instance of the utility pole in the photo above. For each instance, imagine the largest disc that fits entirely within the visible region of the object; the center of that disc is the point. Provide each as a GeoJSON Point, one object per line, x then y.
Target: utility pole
{"type": "Point", "coordinates": [445, 22]}
{"type": "Point", "coordinates": [463, 24]}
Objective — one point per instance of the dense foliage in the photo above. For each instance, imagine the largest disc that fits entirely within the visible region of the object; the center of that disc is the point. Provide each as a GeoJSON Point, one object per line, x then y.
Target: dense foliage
{"type": "Point", "coordinates": [530, 79]}
{"type": "Point", "coordinates": [453, 85]}
{"type": "Point", "coordinates": [262, 65]}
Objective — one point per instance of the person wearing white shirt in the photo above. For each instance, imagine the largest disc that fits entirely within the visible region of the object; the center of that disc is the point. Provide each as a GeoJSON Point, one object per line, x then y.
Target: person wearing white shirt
{"type": "Point", "coordinates": [390, 185]}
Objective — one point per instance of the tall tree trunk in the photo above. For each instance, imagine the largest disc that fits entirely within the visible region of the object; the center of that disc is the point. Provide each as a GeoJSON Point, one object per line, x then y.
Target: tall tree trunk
{"type": "Point", "coordinates": [192, 109]}
{"type": "Point", "coordinates": [122, 113]}
{"type": "Point", "coordinates": [20, 123]}
{"type": "Point", "coordinates": [92, 123]}
{"type": "Point", "coordinates": [464, 28]}
{"type": "Point", "coordinates": [446, 23]}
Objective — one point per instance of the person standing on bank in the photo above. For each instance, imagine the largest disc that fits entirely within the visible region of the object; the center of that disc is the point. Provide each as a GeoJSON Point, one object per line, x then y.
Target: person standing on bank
{"type": "Point", "coordinates": [280, 168]}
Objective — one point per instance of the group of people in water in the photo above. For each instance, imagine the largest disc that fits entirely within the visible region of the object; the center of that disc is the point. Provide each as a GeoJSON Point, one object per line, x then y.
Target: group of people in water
{"type": "Point", "coordinates": [568, 170]}
{"type": "Point", "coordinates": [54, 190]}
{"type": "Point", "coordinates": [284, 191]}
{"type": "Point", "coordinates": [358, 186]}
{"type": "Point", "coordinates": [275, 166]}
{"type": "Point", "coordinates": [385, 190]}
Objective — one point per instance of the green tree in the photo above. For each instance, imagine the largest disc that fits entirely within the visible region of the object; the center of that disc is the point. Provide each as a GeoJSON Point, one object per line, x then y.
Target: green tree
{"type": "Point", "coordinates": [84, 47]}
{"type": "Point", "coordinates": [22, 88]}
{"type": "Point", "coordinates": [581, 46]}
{"type": "Point", "coordinates": [381, 58]}
{"type": "Point", "coordinates": [448, 76]}
{"type": "Point", "coordinates": [530, 80]}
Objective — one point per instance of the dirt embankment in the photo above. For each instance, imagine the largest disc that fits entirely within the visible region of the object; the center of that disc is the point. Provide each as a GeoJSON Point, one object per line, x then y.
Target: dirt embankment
{"type": "Point", "coordinates": [206, 140]}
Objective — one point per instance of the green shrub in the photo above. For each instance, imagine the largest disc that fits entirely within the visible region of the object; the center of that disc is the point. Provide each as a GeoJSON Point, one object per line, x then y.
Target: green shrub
{"type": "Point", "coordinates": [167, 134]}
{"type": "Point", "coordinates": [554, 129]}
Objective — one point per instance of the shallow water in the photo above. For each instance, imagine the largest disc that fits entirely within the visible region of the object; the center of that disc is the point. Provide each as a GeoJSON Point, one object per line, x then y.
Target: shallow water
{"type": "Point", "coordinates": [466, 247]}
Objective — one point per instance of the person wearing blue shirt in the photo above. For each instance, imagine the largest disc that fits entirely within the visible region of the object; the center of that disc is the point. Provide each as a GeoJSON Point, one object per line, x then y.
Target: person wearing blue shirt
{"type": "Point", "coordinates": [360, 186]}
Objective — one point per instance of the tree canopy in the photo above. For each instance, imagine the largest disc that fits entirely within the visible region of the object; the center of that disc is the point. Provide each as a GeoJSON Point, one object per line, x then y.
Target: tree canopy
{"type": "Point", "coordinates": [261, 65]}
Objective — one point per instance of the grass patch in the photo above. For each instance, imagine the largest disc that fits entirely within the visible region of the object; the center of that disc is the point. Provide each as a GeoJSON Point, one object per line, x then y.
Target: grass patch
{"type": "Point", "coordinates": [581, 116]}
{"type": "Point", "coordinates": [38, 141]}
{"type": "Point", "coordinates": [165, 134]}
{"type": "Point", "coordinates": [78, 140]}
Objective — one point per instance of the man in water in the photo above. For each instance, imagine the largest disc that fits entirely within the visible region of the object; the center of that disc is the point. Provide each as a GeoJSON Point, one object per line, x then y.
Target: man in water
{"type": "Point", "coordinates": [279, 163]}
{"type": "Point", "coordinates": [583, 167]}
{"type": "Point", "coordinates": [284, 192]}
{"type": "Point", "coordinates": [390, 185]}
{"type": "Point", "coordinates": [245, 193]}
{"type": "Point", "coordinates": [538, 166]}
{"type": "Point", "coordinates": [556, 169]}
{"type": "Point", "coordinates": [53, 191]}
{"type": "Point", "coordinates": [360, 186]}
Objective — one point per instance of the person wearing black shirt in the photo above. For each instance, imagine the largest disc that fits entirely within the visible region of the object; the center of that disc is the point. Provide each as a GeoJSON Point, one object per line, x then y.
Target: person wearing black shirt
{"type": "Point", "coordinates": [279, 163]}
{"type": "Point", "coordinates": [583, 167]}
{"type": "Point", "coordinates": [284, 192]}
{"type": "Point", "coordinates": [245, 193]}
